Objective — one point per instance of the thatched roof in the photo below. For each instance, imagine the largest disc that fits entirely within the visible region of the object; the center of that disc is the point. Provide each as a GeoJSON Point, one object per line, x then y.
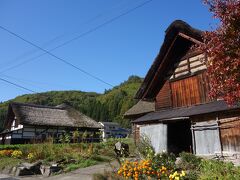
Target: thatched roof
{"type": "Point", "coordinates": [186, 112]}
{"type": "Point", "coordinates": [63, 115]}
{"type": "Point", "coordinates": [178, 39]}
{"type": "Point", "coordinates": [141, 108]}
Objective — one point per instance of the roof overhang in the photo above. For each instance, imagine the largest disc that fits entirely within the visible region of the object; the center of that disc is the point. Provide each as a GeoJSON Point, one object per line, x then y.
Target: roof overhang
{"type": "Point", "coordinates": [178, 40]}
{"type": "Point", "coordinates": [139, 109]}
{"type": "Point", "coordinates": [176, 114]}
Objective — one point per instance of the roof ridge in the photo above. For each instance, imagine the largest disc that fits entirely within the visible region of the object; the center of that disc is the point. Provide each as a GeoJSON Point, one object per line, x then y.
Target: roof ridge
{"type": "Point", "coordinates": [36, 105]}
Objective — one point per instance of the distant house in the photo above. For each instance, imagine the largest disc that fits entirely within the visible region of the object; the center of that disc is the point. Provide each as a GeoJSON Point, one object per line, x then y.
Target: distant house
{"type": "Point", "coordinates": [28, 122]}
{"type": "Point", "coordinates": [113, 130]}
{"type": "Point", "coordinates": [184, 117]}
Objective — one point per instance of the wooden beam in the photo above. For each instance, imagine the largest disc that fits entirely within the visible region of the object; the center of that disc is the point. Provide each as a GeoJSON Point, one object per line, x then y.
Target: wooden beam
{"type": "Point", "coordinates": [160, 67]}
{"type": "Point", "coordinates": [189, 38]}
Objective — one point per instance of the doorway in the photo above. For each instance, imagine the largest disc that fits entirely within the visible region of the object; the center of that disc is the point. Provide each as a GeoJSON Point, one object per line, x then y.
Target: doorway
{"type": "Point", "coordinates": [179, 137]}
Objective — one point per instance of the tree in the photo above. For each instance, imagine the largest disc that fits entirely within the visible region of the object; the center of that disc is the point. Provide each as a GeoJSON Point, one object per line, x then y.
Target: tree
{"type": "Point", "coordinates": [222, 47]}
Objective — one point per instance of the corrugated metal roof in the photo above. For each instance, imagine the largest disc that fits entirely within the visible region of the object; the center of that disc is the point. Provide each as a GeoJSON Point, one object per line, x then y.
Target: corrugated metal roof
{"type": "Point", "coordinates": [168, 114]}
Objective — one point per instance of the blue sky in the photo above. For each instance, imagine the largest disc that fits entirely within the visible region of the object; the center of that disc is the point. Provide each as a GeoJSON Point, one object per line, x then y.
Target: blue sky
{"type": "Point", "coordinates": [122, 48]}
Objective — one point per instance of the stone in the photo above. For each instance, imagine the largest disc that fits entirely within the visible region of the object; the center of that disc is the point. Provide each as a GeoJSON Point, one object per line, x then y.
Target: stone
{"type": "Point", "coordinates": [55, 169]}
{"type": "Point", "coordinates": [45, 170]}
{"type": "Point", "coordinates": [28, 169]}
{"type": "Point", "coordinates": [178, 161]}
{"type": "Point", "coordinates": [121, 149]}
{"type": "Point", "coordinates": [48, 170]}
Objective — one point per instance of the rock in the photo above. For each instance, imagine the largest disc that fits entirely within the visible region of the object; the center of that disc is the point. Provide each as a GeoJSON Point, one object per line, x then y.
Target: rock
{"type": "Point", "coordinates": [48, 170]}
{"type": "Point", "coordinates": [178, 161]}
{"type": "Point", "coordinates": [55, 169]}
{"type": "Point", "coordinates": [28, 169]}
{"type": "Point", "coordinates": [72, 161]}
{"type": "Point", "coordinates": [45, 170]}
{"type": "Point", "coordinates": [121, 149]}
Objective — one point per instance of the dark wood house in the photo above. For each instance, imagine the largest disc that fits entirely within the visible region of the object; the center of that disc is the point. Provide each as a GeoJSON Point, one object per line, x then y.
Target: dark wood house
{"type": "Point", "coordinates": [185, 118]}
{"type": "Point", "coordinates": [26, 123]}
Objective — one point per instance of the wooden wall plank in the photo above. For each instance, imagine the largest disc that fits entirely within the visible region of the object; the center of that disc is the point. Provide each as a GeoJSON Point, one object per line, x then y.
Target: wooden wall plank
{"type": "Point", "coordinates": [189, 91]}
{"type": "Point", "coordinates": [230, 134]}
{"type": "Point", "coordinates": [163, 99]}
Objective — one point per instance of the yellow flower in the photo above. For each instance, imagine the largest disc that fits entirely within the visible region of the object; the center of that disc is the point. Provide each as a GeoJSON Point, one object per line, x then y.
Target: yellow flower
{"type": "Point", "coordinates": [16, 154]}
{"type": "Point", "coordinates": [175, 173]}
{"type": "Point", "coordinates": [183, 174]}
{"type": "Point", "coordinates": [164, 168]}
{"type": "Point", "coordinates": [176, 178]}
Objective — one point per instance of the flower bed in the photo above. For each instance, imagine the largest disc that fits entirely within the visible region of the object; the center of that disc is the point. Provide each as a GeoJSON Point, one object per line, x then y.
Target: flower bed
{"type": "Point", "coordinates": [11, 153]}
{"type": "Point", "coordinates": [146, 169]}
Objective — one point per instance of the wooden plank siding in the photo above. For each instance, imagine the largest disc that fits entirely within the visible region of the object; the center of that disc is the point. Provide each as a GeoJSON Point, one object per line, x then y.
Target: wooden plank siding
{"type": "Point", "coordinates": [163, 99]}
{"type": "Point", "coordinates": [188, 84]}
{"type": "Point", "coordinates": [230, 134]}
{"type": "Point", "coordinates": [190, 91]}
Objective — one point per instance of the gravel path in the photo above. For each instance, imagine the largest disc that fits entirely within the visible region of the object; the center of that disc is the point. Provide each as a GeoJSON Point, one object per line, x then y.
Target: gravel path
{"type": "Point", "coordinates": [79, 174]}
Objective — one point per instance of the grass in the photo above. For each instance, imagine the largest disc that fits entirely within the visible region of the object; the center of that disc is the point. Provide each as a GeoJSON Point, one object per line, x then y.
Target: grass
{"type": "Point", "coordinates": [8, 162]}
{"type": "Point", "coordinates": [82, 163]}
{"type": "Point", "coordinates": [213, 169]}
{"type": "Point", "coordinates": [72, 156]}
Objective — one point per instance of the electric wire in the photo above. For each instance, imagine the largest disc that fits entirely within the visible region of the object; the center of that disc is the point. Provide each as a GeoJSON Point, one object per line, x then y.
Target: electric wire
{"type": "Point", "coordinates": [28, 53]}
{"type": "Point", "coordinates": [77, 37]}
{"type": "Point", "coordinates": [17, 85]}
{"type": "Point", "coordinates": [54, 39]}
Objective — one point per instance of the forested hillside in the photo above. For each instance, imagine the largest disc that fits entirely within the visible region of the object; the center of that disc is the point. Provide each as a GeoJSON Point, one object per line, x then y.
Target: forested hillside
{"type": "Point", "coordinates": [109, 106]}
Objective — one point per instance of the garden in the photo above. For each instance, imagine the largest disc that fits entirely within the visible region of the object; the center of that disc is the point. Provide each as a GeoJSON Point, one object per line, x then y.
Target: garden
{"type": "Point", "coordinates": [68, 156]}
{"type": "Point", "coordinates": [142, 163]}
{"type": "Point", "coordinates": [167, 166]}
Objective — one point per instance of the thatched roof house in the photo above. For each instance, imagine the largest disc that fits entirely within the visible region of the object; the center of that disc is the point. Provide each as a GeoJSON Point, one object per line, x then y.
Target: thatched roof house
{"type": "Point", "coordinates": [62, 115]}
{"type": "Point", "coordinates": [179, 37]}
{"type": "Point", "coordinates": [185, 117]}
{"type": "Point", "coordinates": [29, 122]}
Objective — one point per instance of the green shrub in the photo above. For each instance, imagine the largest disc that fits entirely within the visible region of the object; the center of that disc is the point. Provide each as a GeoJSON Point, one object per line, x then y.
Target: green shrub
{"type": "Point", "coordinates": [189, 161]}
{"type": "Point", "coordinates": [8, 147]}
{"type": "Point", "coordinates": [145, 148]}
{"type": "Point", "coordinates": [212, 169]}
{"type": "Point", "coordinates": [165, 159]}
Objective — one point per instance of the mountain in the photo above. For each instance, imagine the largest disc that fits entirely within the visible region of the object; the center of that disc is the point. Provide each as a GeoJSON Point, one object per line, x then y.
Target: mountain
{"type": "Point", "coordinates": [109, 106]}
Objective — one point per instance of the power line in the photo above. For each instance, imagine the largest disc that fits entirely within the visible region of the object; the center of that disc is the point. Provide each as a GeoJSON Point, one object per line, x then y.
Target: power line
{"type": "Point", "coordinates": [26, 54]}
{"type": "Point", "coordinates": [17, 85]}
{"type": "Point", "coordinates": [53, 55]}
{"type": "Point", "coordinates": [33, 83]}
{"type": "Point", "coordinates": [73, 39]}
{"type": "Point", "coordinates": [50, 41]}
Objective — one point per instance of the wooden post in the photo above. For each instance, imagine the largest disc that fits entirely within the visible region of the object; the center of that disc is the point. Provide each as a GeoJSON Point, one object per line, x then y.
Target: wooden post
{"type": "Point", "coordinates": [193, 138]}
{"type": "Point", "coordinates": [219, 132]}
